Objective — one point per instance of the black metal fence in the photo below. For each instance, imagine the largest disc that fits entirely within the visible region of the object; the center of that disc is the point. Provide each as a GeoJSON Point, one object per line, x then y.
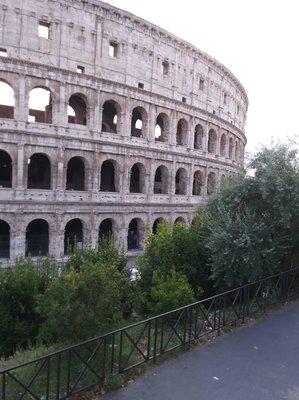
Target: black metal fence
{"type": "Point", "coordinates": [66, 372]}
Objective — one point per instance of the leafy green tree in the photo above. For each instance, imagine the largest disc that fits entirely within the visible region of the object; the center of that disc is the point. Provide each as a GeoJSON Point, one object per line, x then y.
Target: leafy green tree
{"type": "Point", "coordinates": [91, 296]}
{"type": "Point", "coordinates": [250, 227]}
{"type": "Point", "coordinates": [19, 286]}
{"type": "Point", "coordinates": [169, 293]}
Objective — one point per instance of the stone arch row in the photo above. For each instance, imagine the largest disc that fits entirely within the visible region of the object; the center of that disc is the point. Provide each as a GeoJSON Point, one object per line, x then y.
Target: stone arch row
{"type": "Point", "coordinates": [112, 116]}
{"type": "Point", "coordinates": [37, 236]}
{"type": "Point", "coordinates": [39, 176]}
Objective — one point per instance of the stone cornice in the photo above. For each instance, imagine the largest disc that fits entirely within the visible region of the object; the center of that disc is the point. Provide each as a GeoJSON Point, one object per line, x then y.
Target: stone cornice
{"type": "Point", "coordinates": [184, 107]}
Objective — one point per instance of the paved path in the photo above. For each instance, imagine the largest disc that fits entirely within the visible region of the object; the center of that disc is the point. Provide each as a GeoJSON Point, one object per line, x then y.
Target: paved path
{"type": "Point", "coordinates": [258, 362]}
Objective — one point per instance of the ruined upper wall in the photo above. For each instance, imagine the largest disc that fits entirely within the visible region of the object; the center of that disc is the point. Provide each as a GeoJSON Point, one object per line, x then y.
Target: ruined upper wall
{"type": "Point", "coordinates": [80, 32]}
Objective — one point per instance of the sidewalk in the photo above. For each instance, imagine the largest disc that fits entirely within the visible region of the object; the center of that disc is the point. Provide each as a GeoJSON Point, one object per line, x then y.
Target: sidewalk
{"type": "Point", "coordinates": [258, 362]}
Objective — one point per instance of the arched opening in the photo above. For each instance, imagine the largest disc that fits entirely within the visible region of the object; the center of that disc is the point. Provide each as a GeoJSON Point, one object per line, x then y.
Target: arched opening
{"type": "Point", "coordinates": [77, 109]}
{"type": "Point", "coordinates": [237, 151]}
{"type": "Point", "coordinates": [4, 239]}
{"type": "Point", "coordinates": [212, 142]}
{"type": "Point", "coordinates": [197, 183]}
{"type": "Point", "coordinates": [37, 238]}
{"type": "Point", "coordinates": [7, 100]}
{"type": "Point", "coordinates": [40, 105]}
{"type": "Point", "coordinates": [137, 178]}
{"type": "Point", "coordinates": [161, 180]}
{"type": "Point", "coordinates": [135, 234]}
{"type": "Point", "coordinates": [180, 220]}
{"type": "Point", "coordinates": [223, 145]}
{"type": "Point", "coordinates": [211, 184]}
{"type": "Point", "coordinates": [108, 177]}
{"type": "Point", "coordinates": [198, 137]}
{"type": "Point", "coordinates": [230, 148]}
{"type": "Point", "coordinates": [138, 122]}
{"type": "Point", "coordinates": [39, 172]}
{"type": "Point", "coordinates": [75, 174]}
{"type": "Point", "coordinates": [161, 127]}
{"type": "Point", "coordinates": [73, 236]}
{"type": "Point", "coordinates": [105, 230]}
{"type": "Point", "coordinates": [5, 170]}
{"type": "Point", "coordinates": [181, 181]}
{"type": "Point", "coordinates": [181, 133]}
{"type": "Point", "coordinates": [156, 224]}
{"type": "Point", "coordinates": [110, 116]}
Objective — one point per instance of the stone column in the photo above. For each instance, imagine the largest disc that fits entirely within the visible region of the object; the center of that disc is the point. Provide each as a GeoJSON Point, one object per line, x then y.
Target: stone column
{"type": "Point", "coordinates": [21, 107]}
{"type": "Point", "coordinates": [150, 134]}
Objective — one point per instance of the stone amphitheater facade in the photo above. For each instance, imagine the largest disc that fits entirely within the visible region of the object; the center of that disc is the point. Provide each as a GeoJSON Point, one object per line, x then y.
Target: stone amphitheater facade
{"type": "Point", "coordinates": [130, 126]}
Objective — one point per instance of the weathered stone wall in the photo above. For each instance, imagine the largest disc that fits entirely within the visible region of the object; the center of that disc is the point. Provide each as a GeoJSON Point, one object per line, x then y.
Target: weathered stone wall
{"type": "Point", "coordinates": [193, 87]}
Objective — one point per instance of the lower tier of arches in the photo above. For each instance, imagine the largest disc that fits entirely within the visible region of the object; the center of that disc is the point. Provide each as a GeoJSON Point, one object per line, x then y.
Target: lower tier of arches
{"type": "Point", "coordinates": [57, 234]}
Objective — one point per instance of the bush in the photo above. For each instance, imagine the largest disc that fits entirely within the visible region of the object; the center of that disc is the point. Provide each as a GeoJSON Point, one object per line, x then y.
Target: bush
{"type": "Point", "coordinates": [173, 246]}
{"type": "Point", "coordinates": [251, 224]}
{"type": "Point", "coordinates": [92, 295]}
{"type": "Point", "coordinates": [19, 286]}
{"type": "Point", "coordinates": [169, 293]}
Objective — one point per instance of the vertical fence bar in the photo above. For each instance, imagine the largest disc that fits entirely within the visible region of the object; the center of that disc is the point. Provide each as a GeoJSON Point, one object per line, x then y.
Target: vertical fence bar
{"type": "Point", "coordinates": [120, 352]}
{"type": "Point", "coordinates": [162, 336]}
{"type": "Point", "coordinates": [149, 333]}
{"type": "Point", "coordinates": [155, 339]}
{"type": "Point", "coordinates": [58, 377]}
{"type": "Point", "coordinates": [104, 358]}
{"type": "Point", "coordinates": [69, 366]}
{"type": "Point", "coordinates": [3, 386]}
{"type": "Point", "coordinates": [48, 377]}
{"type": "Point", "coordinates": [190, 326]}
{"type": "Point", "coordinates": [112, 353]}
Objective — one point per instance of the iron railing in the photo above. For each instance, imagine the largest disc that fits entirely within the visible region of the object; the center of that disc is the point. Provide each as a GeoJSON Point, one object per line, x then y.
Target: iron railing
{"type": "Point", "coordinates": [63, 373]}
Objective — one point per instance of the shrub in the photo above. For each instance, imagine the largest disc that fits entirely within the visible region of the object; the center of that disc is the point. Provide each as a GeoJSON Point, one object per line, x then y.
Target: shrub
{"type": "Point", "coordinates": [91, 296]}
{"type": "Point", "coordinates": [251, 225]}
{"type": "Point", "coordinates": [19, 286]}
{"type": "Point", "coordinates": [174, 246]}
{"type": "Point", "coordinates": [169, 293]}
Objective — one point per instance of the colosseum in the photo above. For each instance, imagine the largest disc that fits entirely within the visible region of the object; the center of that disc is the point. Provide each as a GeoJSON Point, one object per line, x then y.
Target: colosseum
{"type": "Point", "coordinates": [108, 124]}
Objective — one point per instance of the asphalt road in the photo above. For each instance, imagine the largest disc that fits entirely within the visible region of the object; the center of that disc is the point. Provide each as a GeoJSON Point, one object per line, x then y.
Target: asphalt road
{"type": "Point", "coordinates": [257, 362]}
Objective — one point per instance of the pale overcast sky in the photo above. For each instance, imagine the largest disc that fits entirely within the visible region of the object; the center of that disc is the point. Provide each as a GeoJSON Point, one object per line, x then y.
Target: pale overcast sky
{"type": "Point", "coordinates": [258, 40]}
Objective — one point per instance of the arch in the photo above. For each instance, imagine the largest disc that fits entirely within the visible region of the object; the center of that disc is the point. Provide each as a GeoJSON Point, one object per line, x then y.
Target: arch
{"type": "Point", "coordinates": [211, 184]}
{"type": "Point", "coordinates": [108, 176]}
{"type": "Point", "coordinates": [198, 137]}
{"type": "Point", "coordinates": [105, 230]}
{"type": "Point", "coordinates": [137, 178]}
{"type": "Point", "coordinates": [40, 105]}
{"type": "Point", "coordinates": [161, 127]}
{"type": "Point", "coordinates": [73, 236]}
{"type": "Point", "coordinates": [77, 109]}
{"type": "Point", "coordinates": [161, 180]}
{"type": "Point", "coordinates": [230, 148]}
{"type": "Point", "coordinates": [7, 100]}
{"type": "Point", "coordinates": [212, 141]}
{"type": "Point", "coordinates": [4, 239]}
{"type": "Point", "coordinates": [138, 122]}
{"type": "Point", "coordinates": [181, 181]}
{"type": "Point", "coordinates": [135, 234]}
{"type": "Point", "coordinates": [237, 151]}
{"type": "Point", "coordinates": [197, 183]}
{"type": "Point", "coordinates": [5, 170]}
{"type": "Point", "coordinates": [223, 145]}
{"type": "Point", "coordinates": [37, 238]}
{"type": "Point", "coordinates": [110, 116]}
{"type": "Point", "coordinates": [156, 224]}
{"type": "Point", "coordinates": [75, 174]}
{"type": "Point", "coordinates": [39, 172]}
{"type": "Point", "coordinates": [181, 133]}
{"type": "Point", "coordinates": [180, 220]}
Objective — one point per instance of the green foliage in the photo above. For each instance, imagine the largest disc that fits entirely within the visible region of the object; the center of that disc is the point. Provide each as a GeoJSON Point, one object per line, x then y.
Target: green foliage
{"type": "Point", "coordinates": [169, 293]}
{"type": "Point", "coordinates": [173, 246]}
{"type": "Point", "coordinates": [91, 296]}
{"type": "Point", "coordinates": [19, 286]}
{"type": "Point", "coordinates": [243, 248]}
{"type": "Point", "coordinates": [251, 225]}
